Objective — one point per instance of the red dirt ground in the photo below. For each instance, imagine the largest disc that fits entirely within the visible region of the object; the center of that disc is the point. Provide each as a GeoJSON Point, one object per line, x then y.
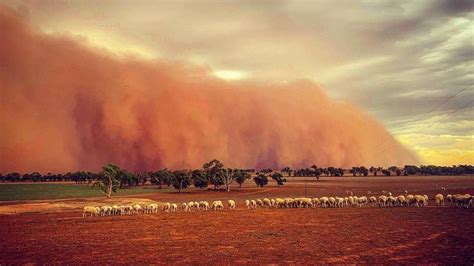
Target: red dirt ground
{"type": "Point", "coordinates": [284, 236]}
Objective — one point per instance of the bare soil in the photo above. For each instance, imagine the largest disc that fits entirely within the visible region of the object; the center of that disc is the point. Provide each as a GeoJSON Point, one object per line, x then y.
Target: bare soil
{"type": "Point", "coordinates": [57, 233]}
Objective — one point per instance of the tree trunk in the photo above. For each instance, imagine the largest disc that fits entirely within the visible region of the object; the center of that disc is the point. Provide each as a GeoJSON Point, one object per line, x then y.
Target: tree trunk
{"type": "Point", "coordinates": [240, 185]}
{"type": "Point", "coordinates": [180, 186]}
{"type": "Point", "coordinates": [227, 187]}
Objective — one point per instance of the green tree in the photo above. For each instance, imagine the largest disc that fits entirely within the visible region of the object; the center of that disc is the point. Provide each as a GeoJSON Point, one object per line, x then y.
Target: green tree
{"type": "Point", "coordinates": [261, 180]}
{"type": "Point", "coordinates": [241, 176]}
{"type": "Point", "coordinates": [108, 180]}
{"type": "Point", "coordinates": [162, 177]}
{"type": "Point", "coordinates": [199, 179]}
{"type": "Point", "coordinates": [181, 179]}
{"type": "Point", "coordinates": [213, 171]}
{"type": "Point", "coordinates": [278, 177]}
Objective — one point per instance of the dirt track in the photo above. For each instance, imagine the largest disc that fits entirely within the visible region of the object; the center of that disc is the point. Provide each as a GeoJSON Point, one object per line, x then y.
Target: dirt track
{"type": "Point", "coordinates": [371, 235]}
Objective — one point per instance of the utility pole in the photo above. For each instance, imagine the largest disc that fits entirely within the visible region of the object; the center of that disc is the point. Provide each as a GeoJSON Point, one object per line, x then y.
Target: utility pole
{"type": "Point", "coordinates": [305, 187]}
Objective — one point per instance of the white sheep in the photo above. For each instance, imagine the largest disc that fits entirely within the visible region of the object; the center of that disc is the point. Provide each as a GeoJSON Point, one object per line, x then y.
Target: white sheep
{"type": "Point", "coordinates": [247, 203]}
{"type": "Point", "coordinates": [372, 201]}
{"type": "Point", "coordinates": [332, 202]}
{"type": "Point", "coordinates": [204, 205]}
{"type": "Point", "coordinates": [184, 207]}
{"type": "Point", "coordinates": [153, 208]}
{"type": "Point", "coordinates": [93, 211]}
{"type": "Point", "coordinates": [267, 202]}
{"type": "Point", "coordinates": [420, 201]}
{"type": "Point", "coordinates": [401, 201]}
{"type": "Point", "coordinates": [410, 200]}
{"type": "Point", "coordinates": [137, 208]}
{"type": "Point", "coordinates": [174, 207]}
{"type": "Point", "coordinates": [362, 201]}
{"type": "Point", "coordinates": [253, 204]}
{"type": "Point", "coordinates": [279, 203]}
{"type": "Point", "coordinates": [315, 202]}
{"type": "Point", "coordinates": [324, 202]}
{"type": "Point", "coordinates": [231, 204]}
{"type": "Point", "coordinates": [105, 210]}
{"type": "Point", "coordinates": [439, 198]}
{"type": "Point", "coordinates": [166, 207]}
{"type": "Point", "coordinates": [116, 210]}
{"type": "Point", "coordinates": [383, 200]}
{"type": "Point", "coordinates": [217, 205]}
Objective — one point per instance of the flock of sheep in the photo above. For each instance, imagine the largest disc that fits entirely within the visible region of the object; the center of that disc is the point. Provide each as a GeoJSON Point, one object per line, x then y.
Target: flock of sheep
{"type": "Point", "coordinates": [136, 208]}
{"type": "Point", "coordinates": [385, 200]}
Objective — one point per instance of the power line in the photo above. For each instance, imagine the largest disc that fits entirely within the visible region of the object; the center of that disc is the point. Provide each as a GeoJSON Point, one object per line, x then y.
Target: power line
{"type": "Point", "coordinates": [428, 113]}
{"type": "Point", "coordinates": [452, 112]}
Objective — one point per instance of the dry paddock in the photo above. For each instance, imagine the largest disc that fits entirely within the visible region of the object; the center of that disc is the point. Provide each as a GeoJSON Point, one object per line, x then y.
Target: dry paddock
{"type": "Point", "coordinates": [286, 236]}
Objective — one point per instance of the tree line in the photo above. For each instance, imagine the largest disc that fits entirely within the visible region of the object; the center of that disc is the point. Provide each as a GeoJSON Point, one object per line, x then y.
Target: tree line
{"type": "Point", "coordinates": [214, 174]}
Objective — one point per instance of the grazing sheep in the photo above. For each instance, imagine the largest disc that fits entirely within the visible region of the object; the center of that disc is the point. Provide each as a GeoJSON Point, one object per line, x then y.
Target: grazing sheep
{"type": "Point", "coordinates": [127, 209]}
{"type": "Point", "coordinates": [383, 201]}
{"type": "Point", "coordinates": [351, 201]}
{"type": "Point", "coordinates": [420, 201]}
{"type": "Point", "coordinates": [279, 203]}
{"type": "Point", "coordinates": [362, 201]}
{"type": "Point", "coordinates": [259, 203]}
{"type": "Point", "coordinates": [339, 202]}
{"type": "Point", "coordinates": [231, 204]}
{"type": "Point", "coordinates": [166, 207]}
{"type": "Point", "coordinates": [315, 202]}
{"type": "Point", "coordinates": [137, 208]}
{"type": "Point", "coordinates": [174, 207]}
{"type": "Point", "coordinates": [184, 207]}
{"type": "Point", "coordinates": [153, 208]}
{"type": "Point", "coordinates": [410, 200]}
{"type": "Point", "coordinates": [93, 211]}
{"type": "Point", "coordinates": [204, 205]}
{"type": "Point", "coordinates": [217, 205]}
{"type": "Point", "coordinates": [272, 202]}
{"type": "Point", "coordinates": [401, 201]}
{"type": "Point", "coordinates": [449, 198]}
{"type": "Point", "coordinates": [253, 204]}
{"type": "Point", "coordinates": [324, 202]}
{"type": "Point", "coordinates": [462, 200]}
{"type": "Point", "coordinates": [190, 205]}
{"type": "Point", "coordinates": [289, 203]}
{"type": "Point", "coordinates": [196, 205]}
{"type": "Point", "coordinates": [439, 198]}
{"type": "Point", "coordinates": [267, 202]}
{"type": "Point", "coordinates": [332, 202]}
{"type": "Point", "coordinates": [247, 203]}
{"type": "Point", "coordinates": [372, 201]}
{"type": "Point", "coordinates": [116, 210]}
{"type": "Point", "coordinates": [105, 210]}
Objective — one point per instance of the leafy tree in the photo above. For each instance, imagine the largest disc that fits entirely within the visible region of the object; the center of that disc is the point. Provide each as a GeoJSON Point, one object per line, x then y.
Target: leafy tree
{"type": "Point", "coordinates": [199, 179]}
{"type": "Point", "coordinates": [386, 172]}
{"type": "Point", "coordinates": [181, 179]}
{"type": "Point", "coordinates": [261, 180]}
{"type": "Point", "coordinates": [240, 176]}
{"type": "Point", "coordinates": [109, 179]}
{"type": "Point", "coordinates": [213, 172]}
{"type": "Point", "coordinates": [227, 177]}
{"type": "Point", "coordinates": [286, 170]}
{"type": "Point", "coordinates": [278, 177]}
{"type": "Point", "coordinates": [127, 178]}
{"type": "Point", "coordinates": [373, 170]}
{"type": "Point", "coordinates": [162, 177]}
{"type": "Point", "coordinates": [266, 170]}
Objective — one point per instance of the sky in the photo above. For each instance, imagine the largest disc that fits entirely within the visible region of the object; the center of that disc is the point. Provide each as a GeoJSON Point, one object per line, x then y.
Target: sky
{"type": "Point", "coordinates": [400, 61]}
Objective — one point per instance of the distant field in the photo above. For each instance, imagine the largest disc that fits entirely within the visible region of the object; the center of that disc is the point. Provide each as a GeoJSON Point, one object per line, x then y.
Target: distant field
{"type": "Point", "coordinates": [42, 191]}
